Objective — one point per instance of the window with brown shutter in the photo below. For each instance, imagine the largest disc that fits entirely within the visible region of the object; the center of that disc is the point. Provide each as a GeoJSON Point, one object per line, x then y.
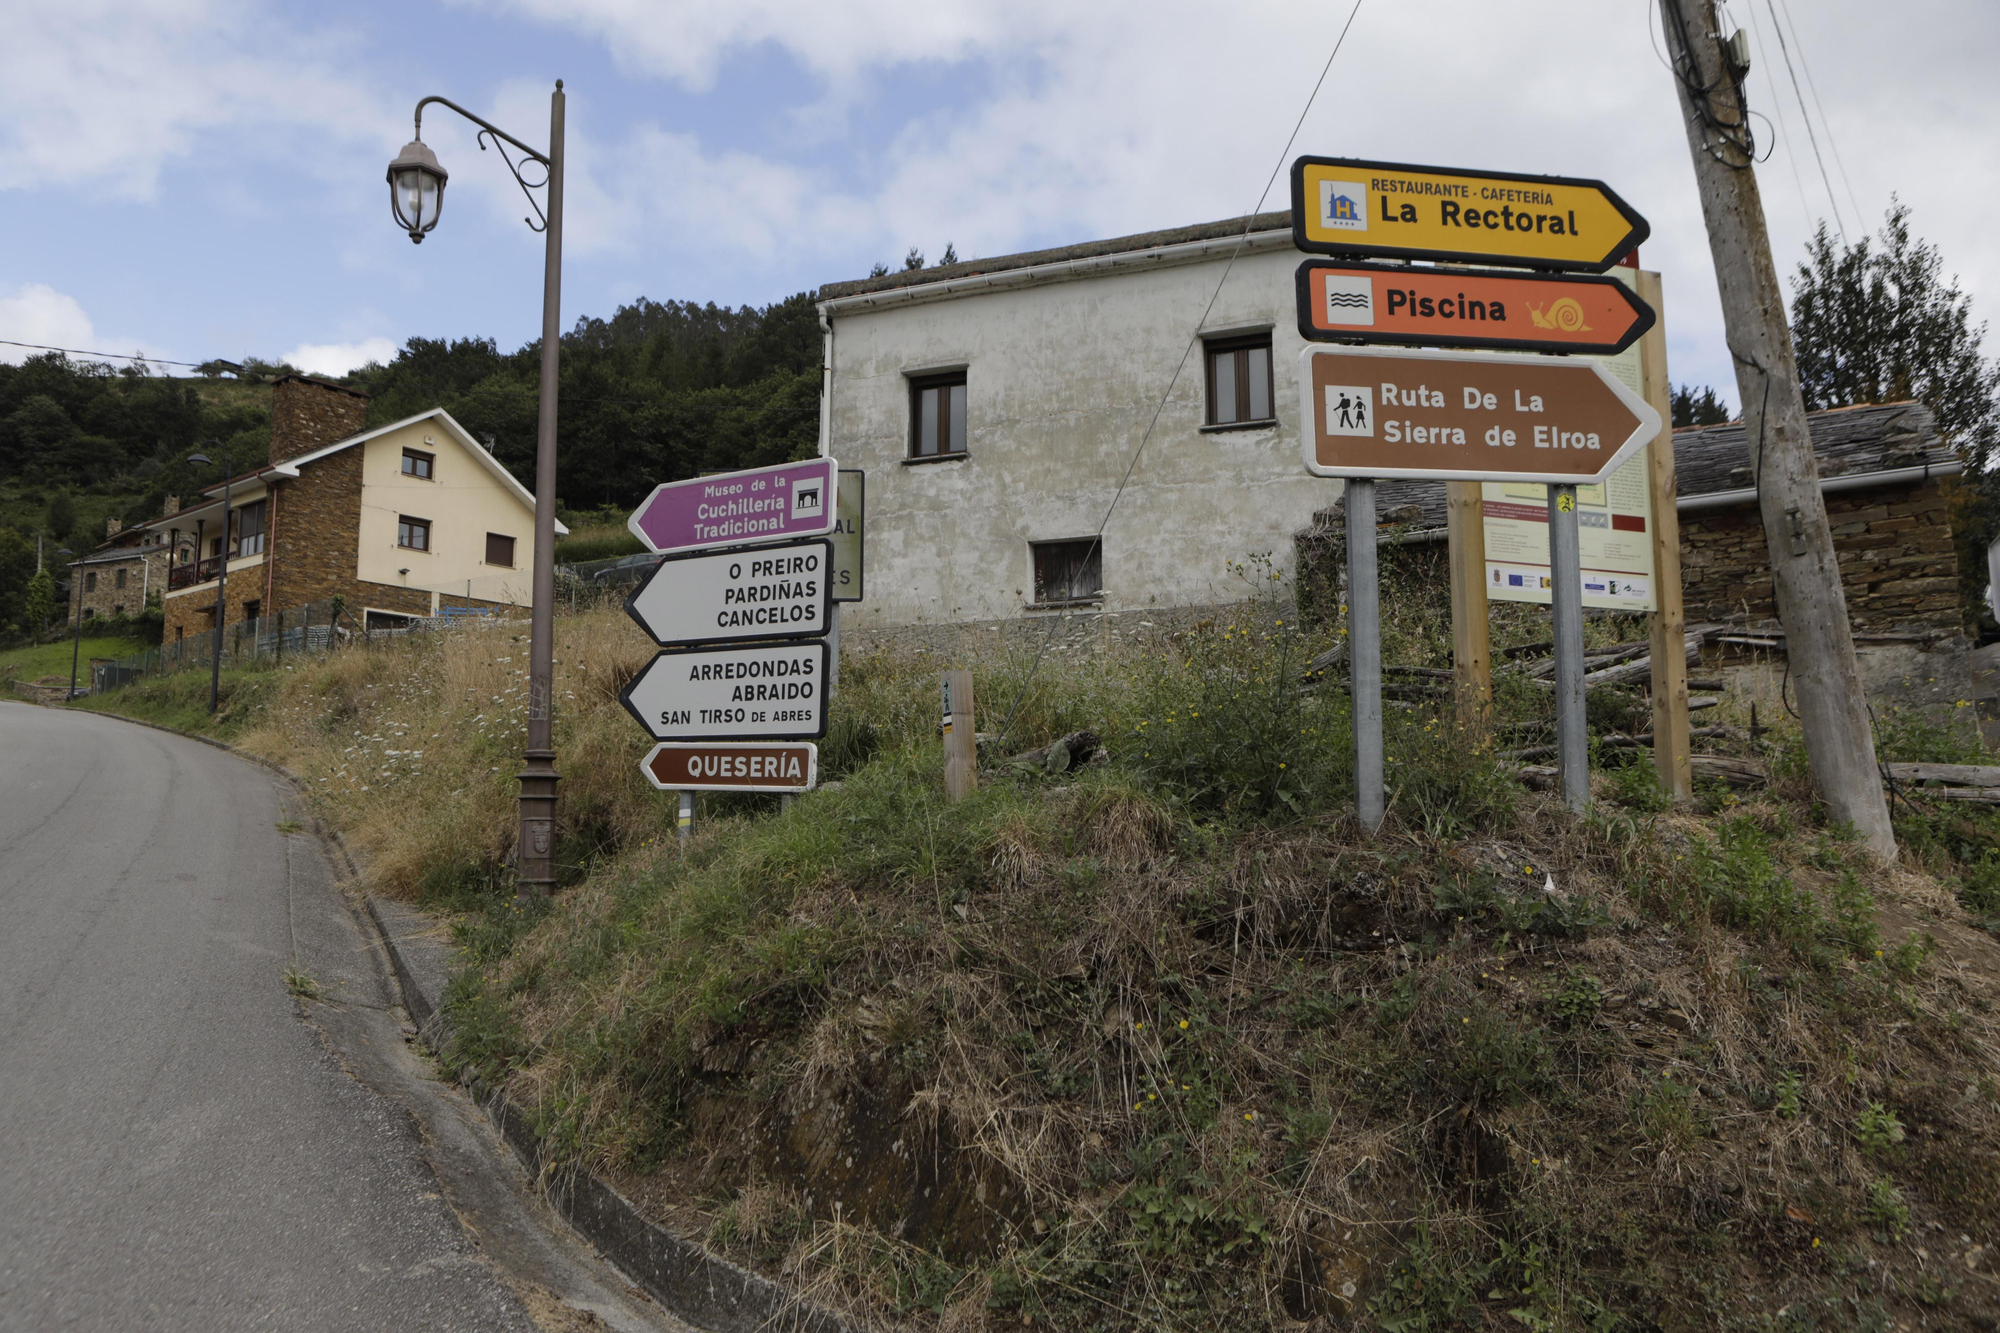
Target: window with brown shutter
{"type": "Point", "coordinates": [1068, 571]}
{"type": "Point", "coordinates": [499, 550]}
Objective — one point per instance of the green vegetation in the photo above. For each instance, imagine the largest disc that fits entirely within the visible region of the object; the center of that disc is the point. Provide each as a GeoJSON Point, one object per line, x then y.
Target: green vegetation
{"type": "Point", "coordinates": [53, 659]}
{"type": "Point", "coordinates": [180, 700]}
{"type": "Point", "coordinates": [1208, 1056]}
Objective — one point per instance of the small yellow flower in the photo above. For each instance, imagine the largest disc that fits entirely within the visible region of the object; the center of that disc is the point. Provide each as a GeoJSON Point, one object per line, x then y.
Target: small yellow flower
{"type": "Point", "coordinates": [1815, 1242]}
{"type": "Point", "coordinates": [1183, 1022]}
{"type": "Point", "coordinates": [1152, 1096]}
{"type": "Point", "coordinates": [1138, 1027]}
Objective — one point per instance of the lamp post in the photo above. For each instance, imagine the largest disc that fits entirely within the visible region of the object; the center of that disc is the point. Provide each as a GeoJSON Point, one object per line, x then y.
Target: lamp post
{"type": "Point", "coordinates": [221, 576]}
{"type": "Point", "coordinates": [416, 196]}
{"type": "Point", "coordinates": [76, 639]}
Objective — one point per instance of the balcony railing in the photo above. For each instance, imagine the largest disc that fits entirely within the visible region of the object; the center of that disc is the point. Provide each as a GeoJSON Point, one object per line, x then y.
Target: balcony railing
{"type": "Point", "coordinates": [200, 571]}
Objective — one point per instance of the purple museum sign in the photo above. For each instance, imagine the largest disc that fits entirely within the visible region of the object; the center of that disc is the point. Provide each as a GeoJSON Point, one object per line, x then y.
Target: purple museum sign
{"type": "Point", "coordinates": [761, 504]}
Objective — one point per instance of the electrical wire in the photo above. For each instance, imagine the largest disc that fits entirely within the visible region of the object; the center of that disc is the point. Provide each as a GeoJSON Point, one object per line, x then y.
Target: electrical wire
{"type": "Point", "coordinates": [1249, 221]}
{"type": "Point", "coordinates": [1784, 136]}
{"type": "Point", "coordinates": [1806, 116]}
{"type": "Point", "coordinates": [115, 356]}
{"type": "Point", "coordinates": [1831, 142]}
{"type": "Point", "coordinates": [1735, 134]}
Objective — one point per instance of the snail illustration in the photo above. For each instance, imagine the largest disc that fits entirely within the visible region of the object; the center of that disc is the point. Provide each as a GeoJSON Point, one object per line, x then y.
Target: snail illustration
{"type": "Point", "coordinates": [1564, 314]}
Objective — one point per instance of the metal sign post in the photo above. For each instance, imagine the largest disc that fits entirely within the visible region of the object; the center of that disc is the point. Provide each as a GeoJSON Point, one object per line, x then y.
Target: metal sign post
{"type": "Point", "coordinates": [1566, 602]}
{"type": "Point", "coordinates": [1364, 652]}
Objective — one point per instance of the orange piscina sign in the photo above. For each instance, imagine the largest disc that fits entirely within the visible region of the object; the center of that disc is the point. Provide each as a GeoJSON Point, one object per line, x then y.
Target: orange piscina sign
{"type": "Point", "coordinates": [1348, 206]}
{"type": "Point", "coordinates": [1466, 416]}
{"type": "Point", "coordinates": [695, 766]}
{"type": "Point", "coordinates": [1352, 301]}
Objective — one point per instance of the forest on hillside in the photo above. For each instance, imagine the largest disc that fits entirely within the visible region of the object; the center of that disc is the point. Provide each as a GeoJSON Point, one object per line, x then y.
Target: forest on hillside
{"type": "Point", "coordinates": [657, 392]}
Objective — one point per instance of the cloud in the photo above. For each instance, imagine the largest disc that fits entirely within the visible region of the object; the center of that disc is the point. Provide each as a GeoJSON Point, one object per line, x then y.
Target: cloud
{"type": "Point", "coordinates": [335, 359]}
{"type": "Point", "coordinates": [40, 314]}
{"type": "Point", "coordinates": [107, 92]}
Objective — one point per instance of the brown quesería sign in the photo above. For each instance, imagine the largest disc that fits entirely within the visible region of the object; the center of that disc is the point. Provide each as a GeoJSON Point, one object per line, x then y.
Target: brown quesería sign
{"type": "Point", "coordinates": [1466, 416]}
{"type": "Point", "coordinates": [695, 766]}
{"type": "Point", "coordinates": [1358, 302]}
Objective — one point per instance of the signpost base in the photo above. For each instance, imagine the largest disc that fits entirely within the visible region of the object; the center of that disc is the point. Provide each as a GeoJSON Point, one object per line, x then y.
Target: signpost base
{"type": "Point", "coordinates": [685, 824]}
{"type": "Point", "coordinates": [1364, 653]}
{"type": "Point", "coordinates": [534, 857]}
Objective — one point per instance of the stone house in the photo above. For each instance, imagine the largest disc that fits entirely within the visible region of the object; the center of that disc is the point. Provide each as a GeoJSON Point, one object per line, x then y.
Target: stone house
{"type": "Point", "coordinates": [122, 575]}
{"type": "Point", "coordinates": [1886, 474]}
{"type": "Point", "coordinates": [997, 405]}
{"type": "Point", "coordinates": [399, 522]}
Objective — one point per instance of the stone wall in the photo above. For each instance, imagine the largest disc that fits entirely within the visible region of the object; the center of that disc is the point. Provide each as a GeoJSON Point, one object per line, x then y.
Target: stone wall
{"type": "Point", "coordinates": [194, 613]}
{"type": "Point", "coordinates": [1897, 561]}
{"type": "Point", "coordinates": [315, 531]}
{"type": "Point", "coordinates": [309, 414]}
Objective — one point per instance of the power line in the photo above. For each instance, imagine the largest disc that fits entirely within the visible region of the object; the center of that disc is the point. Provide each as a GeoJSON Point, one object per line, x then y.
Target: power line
{"type": "Point", "coordinates": [1831, 141]}
{"type": "Point", "coordinates": [1249, 221]}
{"type": "Point", "coordinates": [1784, 136]}
{"type": "Point", "coordinates": [1806, 116]}
{"type": "Point", "coordinates": [115, 356]}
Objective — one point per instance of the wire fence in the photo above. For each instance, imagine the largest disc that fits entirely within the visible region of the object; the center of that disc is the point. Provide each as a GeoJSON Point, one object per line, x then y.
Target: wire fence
{"type": "Point", "coordinates": [311, 630]}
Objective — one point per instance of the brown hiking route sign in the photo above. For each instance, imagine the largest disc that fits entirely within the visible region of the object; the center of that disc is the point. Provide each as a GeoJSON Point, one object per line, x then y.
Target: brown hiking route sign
{"type": "Point", "coordinates": [1466, 416]}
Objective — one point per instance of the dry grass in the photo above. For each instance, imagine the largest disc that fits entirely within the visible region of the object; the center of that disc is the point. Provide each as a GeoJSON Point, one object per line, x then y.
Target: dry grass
{"type": "Point", "coordinates": [1230, 1065]}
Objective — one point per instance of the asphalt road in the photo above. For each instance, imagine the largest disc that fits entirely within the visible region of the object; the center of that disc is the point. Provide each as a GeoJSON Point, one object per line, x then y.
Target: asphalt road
{"type": "Point", "coordinates": [178, 1148]}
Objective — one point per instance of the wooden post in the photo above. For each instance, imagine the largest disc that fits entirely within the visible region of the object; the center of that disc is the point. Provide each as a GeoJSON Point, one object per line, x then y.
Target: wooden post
{"type": "Point", "coordinates": [1671, 747]}
{"type": "Point", "coordinates": [1471, 648]}
{"type": "Point", "coordinates": [961, 744]}
{"type": "Point", "coordinates": [1805, 573]}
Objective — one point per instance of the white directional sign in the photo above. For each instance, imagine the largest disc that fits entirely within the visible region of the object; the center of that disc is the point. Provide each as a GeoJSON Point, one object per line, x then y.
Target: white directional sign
{"type": "Point", "coordinates": [761, 592]}
{"type": "Point", "coordinates": [763, 693]}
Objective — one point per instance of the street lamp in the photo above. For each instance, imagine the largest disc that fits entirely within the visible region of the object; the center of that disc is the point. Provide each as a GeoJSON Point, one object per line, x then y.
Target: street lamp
{"type": "Point", "coordinates": [76, 641]}
{"type": "Point", "coordinates": [416, 194]}
{"type": "Point", "coordinates": [221, 576]}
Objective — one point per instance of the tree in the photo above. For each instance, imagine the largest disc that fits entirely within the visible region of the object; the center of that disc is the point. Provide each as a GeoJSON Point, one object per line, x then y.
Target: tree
{"type": "Point", "coordinates": [950, 255]}
{"type": "Point", "coordinates": [17, 567]}
{"type": "Point", "coordinates": [39, 606]}
{"type": "Point", "coordinates": [1703, 408]}
{"type": "Point", "coordinates": [62, 516]}
{"type": "Point", "coordinates": [913, 260]}
{"type": "Point", "coordinates": [1877, 322]}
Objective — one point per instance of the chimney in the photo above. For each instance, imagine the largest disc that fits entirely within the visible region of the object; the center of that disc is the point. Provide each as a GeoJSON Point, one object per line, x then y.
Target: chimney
{"type": "Point", "coordinates": [309, 414]}
{"type": "Point", "coordinates": [112, 527]}
{"type": "Point", "coordinates": [172, 507]}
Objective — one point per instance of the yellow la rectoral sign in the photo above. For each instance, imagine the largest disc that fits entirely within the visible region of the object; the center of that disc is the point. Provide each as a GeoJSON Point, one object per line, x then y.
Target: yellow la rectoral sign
{"type": "Point", "coordinates": [1347, 206]}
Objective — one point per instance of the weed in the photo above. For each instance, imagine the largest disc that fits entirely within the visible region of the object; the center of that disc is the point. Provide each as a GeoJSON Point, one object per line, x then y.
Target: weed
{"type": "Point", "coordinates": [1789, 1088]}
{"type": "Point", "coordinates": [1886, 1208]}
{"type": "Point", "coordinates": [1877, 1128]}
{"type": "Point", "coordinates": [290, 826]}
{"type": "Point", "coordinates": [1577, 998]}
{"type": "Point", "coordinates": [1430, 1288]}
{"type": "Point", "coordinates": [1667, 1113]}
{"type": "Point", "coordinates": [1637, 787]}
{"type": "Point", "coordinates": [1908, 958]}
{"type": "Point", "coordinates": [1854, 915]}
{"type": "Point", "coordinates": [301, 982]}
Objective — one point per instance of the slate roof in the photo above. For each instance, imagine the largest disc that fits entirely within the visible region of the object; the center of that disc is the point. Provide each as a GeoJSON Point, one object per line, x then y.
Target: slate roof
{"type": "Point", "coordinates": [1712, 459]}
{"type": "Point", "coordinates": [1281, 220]}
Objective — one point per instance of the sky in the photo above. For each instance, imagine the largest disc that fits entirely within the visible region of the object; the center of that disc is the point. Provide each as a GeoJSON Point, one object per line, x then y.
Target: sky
{"type": "Point", "coordinates": [204, 178]}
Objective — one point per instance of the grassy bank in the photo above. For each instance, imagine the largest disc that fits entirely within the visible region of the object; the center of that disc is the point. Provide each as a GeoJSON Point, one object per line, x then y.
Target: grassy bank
{"type": "Point", "coordinates": [53, 659]}
{"type": "Point", "coordinates": [1166, 1042]}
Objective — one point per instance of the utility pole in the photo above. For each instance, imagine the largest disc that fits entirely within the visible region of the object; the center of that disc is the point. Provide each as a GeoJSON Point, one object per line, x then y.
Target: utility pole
{"type": "Point", "coordinates": [1805, 575]}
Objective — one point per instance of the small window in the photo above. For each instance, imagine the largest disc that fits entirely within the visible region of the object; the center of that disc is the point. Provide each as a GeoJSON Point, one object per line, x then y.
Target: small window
{"type": "Point", "coordinates": [499, 550]}
{"type": "Point", "coordinates": [119, 579]}
{"type": "Point", "coordinates": [250, 529]}
{"type": "Point", "coordinates": [417, 464]}
{"type": "Point", "coordinates": [1070, 571]}
{"type": "Point", "coordinates": [1239, 381]}
{"type": "Point", "coordinates": [90, 581]}
{"type": "Point", "coordinates": [90, 613]}
{"type": "Point", "coordinates": [937, 415]}
{"type": "Point", "coordinates": [413, 533]}
{"type": "Point", "coordinates": [252, 610]}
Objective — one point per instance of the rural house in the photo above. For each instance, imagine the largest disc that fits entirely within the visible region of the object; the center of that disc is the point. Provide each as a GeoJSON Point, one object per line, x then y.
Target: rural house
{"type": "Point", "coordinates": [123, 574]}
{"type": "Point", "coordinates": [399, 522]}
{"type": "Point", "coordinates": [997, 404]}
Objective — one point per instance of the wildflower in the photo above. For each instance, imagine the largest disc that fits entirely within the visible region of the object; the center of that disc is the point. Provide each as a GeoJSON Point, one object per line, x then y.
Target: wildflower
{"type": "Point", "coordinates": [1137, 1027]}
{"type": "Point", "coordinates": [1183, 1022]}
{"type": "Point", "coordinates": [1152, 1096]}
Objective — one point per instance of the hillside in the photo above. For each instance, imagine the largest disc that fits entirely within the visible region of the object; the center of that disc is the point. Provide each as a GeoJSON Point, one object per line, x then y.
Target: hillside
{"type": "Point", "coordinates": [1165, 1042]}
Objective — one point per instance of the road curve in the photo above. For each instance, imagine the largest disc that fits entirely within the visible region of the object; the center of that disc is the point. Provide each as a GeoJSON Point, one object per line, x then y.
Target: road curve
{"type": "Point", "coordinates": [177, 1149]}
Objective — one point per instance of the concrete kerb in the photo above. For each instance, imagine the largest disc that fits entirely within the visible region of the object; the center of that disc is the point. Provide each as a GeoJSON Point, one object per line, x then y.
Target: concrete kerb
{"type": "Point", "coordinates": [700, 1287]}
